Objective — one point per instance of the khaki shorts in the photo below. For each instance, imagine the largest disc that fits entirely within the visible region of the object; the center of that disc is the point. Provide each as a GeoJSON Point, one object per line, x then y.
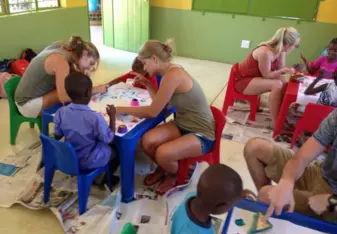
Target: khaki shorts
{"type": "Point", "coordinates": [309, 184]}
{"type": "Point", "coordinates": [32, 108]}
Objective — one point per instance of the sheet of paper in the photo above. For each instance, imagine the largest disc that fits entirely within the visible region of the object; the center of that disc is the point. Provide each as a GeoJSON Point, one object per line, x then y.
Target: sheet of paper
{"type": "Point", "coordinates": [121, 94]}
{"type": "Point", "coordinates": [279, 226]}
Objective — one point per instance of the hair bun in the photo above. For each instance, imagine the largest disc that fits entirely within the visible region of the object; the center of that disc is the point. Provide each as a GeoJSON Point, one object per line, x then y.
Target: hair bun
{"type": "Point", "coordinates": [75, 41]}
{"type": "Point", "coordinates": [169, 46]}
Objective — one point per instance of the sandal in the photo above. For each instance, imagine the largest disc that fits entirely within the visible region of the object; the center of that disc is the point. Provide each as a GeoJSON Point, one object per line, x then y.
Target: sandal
{"type": "Point", "coordinates": [167, 184]}
{"type": "Point", "coordinates": [154, 177]}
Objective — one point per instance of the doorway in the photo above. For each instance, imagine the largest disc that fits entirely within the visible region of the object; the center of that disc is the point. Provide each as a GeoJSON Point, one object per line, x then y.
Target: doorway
{"type": "Point", "coordinates": [95, 17]}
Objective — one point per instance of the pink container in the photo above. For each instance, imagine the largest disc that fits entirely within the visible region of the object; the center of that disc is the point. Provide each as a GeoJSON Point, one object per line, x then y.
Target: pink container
{"type": "Point", "coordinates": [134, 102]}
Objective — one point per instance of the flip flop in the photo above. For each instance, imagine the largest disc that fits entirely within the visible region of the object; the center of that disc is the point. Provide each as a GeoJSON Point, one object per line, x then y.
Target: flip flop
{"type": "Point", "coordinates": [149, 179]}
{"type": "Point", "coordinates": [165, 186]}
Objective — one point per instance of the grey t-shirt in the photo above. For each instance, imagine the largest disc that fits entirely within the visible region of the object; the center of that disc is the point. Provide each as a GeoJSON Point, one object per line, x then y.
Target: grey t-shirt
{"type": "Point", "coordinates": [36, 82]}
{"type": "Point", "coordinates": [326, 135]}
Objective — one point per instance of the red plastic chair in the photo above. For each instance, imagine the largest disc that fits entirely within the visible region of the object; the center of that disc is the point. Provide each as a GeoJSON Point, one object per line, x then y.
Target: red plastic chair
{"type": "Point", "coordinates": [312, 117]}
{"type": "Point", "coordinates": [232, 95]}
{"type": "Point", "coordinates": [212, 157]}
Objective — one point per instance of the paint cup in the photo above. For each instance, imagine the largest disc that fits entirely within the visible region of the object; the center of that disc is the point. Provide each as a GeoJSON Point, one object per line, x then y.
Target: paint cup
{"type": "Point", "coordinates": [122, 129]}
{"type": "Point", "coordinates": [134, 102]}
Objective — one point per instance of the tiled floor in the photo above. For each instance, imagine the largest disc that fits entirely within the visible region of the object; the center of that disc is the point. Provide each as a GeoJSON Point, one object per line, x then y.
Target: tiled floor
{"type": "Point", "coordinates": [212, 77]}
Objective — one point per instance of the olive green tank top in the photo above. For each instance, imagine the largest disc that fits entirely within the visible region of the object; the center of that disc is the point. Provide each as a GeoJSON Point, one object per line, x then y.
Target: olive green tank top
{"type": "Point", "coordinates": [193, 112]}
{"type": "Point", "coordinates": [36, 82]}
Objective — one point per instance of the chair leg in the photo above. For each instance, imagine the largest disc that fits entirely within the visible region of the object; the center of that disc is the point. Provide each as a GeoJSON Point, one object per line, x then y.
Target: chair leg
{"type": "Point", "coordinates": [45, 128]}
{"type": "Point", "coordinates": [182, 172]}
{"type": "Point", "coordinates": [228, 102]}
{"type": "Point", "coordinates": [48, 179]}
{"type": "Point", "coordinates": [31, 124]}
{"type": "Point", "coordinates": [108, 175]}
{"type": "Point", "coordinates": [39, 124]}
{"type": "Point", "coordinates": [84, 186]}
{"type": "Point", "coordinates": [253, 108]}
{"type": "Point", "coordinates": [14, 129]}
{"type": "Point", "coordinates": [295, 136]}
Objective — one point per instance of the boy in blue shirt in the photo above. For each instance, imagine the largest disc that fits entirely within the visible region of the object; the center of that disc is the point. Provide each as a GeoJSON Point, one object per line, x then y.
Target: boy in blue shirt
{"type": "Point", "coordinates": [218, 189]}
{"type": "Point", "coordinates": [86, 130]}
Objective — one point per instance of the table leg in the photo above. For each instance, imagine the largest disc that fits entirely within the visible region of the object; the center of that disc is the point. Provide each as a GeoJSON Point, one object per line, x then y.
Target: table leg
{"type": "Point", "coordinates": [127, 167]}
{"type": "Point", "coordinates": [283, 114]}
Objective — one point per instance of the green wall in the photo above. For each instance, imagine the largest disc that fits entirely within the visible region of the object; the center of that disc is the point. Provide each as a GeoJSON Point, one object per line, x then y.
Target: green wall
{"type": "Point", "coordinates": [217, 36]}
{"type": "Point", "coordinates": [38, 29]}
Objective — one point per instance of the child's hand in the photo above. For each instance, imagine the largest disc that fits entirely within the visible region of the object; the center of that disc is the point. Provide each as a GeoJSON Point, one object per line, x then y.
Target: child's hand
{"type": "Point", "coordinates": [304, 59]}
{"type": "Point", "coordinates": [140, 79]}
{"type": "Point", "coordinates": [111, 111]}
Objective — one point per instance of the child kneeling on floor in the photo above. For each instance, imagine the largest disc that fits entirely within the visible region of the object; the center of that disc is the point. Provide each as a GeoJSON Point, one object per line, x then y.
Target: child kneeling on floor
{"type": "Point", "coordinates": [137, 67]}
{"type": "Point", "coordinates": [218, 189]}
{"type": "Point", "coordinates": [86, 130]}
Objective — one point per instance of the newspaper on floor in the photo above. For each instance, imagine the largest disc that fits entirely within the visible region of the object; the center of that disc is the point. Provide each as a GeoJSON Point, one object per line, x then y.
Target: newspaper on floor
{"type": "Point", "coordinates": [25, 187]}
{"type": "Point", "coordinates": [149, 214]}
{"type": "Point", "coordinates": [242, 134]}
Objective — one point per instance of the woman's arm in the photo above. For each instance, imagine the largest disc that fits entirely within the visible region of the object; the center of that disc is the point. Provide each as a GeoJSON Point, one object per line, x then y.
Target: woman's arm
{"type": "Point", "coordinates": [265, 59]}
{"type": "Point", "coordinates": [57, 64]}
{"type": "Point", "coordinates": [168, 85]}
{"type": "Point", "coordinates": [152, 90]}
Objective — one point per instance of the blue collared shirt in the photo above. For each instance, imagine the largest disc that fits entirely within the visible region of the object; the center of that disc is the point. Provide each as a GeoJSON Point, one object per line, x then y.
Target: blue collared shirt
{"type": "Point", "coordinates": [87, 131]}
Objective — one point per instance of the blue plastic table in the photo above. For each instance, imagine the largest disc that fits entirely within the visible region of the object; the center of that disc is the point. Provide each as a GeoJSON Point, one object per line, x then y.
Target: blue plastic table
{"type": "Point", "coordinates": [126, 146]}
{"type": "Point", "coordinates": [295, 218]}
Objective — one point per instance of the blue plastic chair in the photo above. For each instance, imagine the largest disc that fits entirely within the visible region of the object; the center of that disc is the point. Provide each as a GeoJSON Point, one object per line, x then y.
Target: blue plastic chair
{"type": "Point", "coordinates": [61, 156]}
{"type": "Point", "coordinates": [48, 117]}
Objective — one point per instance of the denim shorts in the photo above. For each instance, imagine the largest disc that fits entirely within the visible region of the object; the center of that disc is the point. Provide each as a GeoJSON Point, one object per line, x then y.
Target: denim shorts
{"type": "Point", "coordinates": [206, 144]}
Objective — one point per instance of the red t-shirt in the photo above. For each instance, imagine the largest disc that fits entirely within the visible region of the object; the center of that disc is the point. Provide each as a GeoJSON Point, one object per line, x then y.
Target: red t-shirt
{"type": "Point", "coordinates": [128, 75]}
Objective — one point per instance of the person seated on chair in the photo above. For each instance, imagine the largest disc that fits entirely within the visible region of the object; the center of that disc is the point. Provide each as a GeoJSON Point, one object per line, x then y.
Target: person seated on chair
{"type": "Point", "coordinates": [326, 62]}
{"type": "Point", "coordinates": [191, 134]}
{"type": "Point", "coordinates": [262, 70]}
{"type": "Point", "coordinates": [300, 180]}
{"type": "Point", "coordinates": [86, 130]}
{"type": "Point", "coordinates": [42, 84]}
{"type": "Point", "coordinates": [214, 196]}
{"type": "Point", "coordinates": [137, 68]}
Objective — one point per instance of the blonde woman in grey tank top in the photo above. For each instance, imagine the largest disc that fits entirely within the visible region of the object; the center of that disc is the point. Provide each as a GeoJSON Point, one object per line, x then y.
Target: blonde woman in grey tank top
{"type": "Point", "coordinates": [42, 84]}
{"type": "Point", "coordinates": [192, 132]}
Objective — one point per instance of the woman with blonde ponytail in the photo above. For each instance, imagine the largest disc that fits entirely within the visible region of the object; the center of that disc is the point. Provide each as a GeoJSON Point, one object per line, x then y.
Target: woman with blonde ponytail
{"type": "Point", "coordinates": [262, 70]}
{"type": "Point", "coordinates": [191, 134]}
{"type": "Point", "coordinates": [42, 84]}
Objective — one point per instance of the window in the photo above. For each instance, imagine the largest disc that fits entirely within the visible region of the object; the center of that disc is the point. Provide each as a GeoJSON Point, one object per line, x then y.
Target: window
{"type": "Point", "coordinates": [18, 6]}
